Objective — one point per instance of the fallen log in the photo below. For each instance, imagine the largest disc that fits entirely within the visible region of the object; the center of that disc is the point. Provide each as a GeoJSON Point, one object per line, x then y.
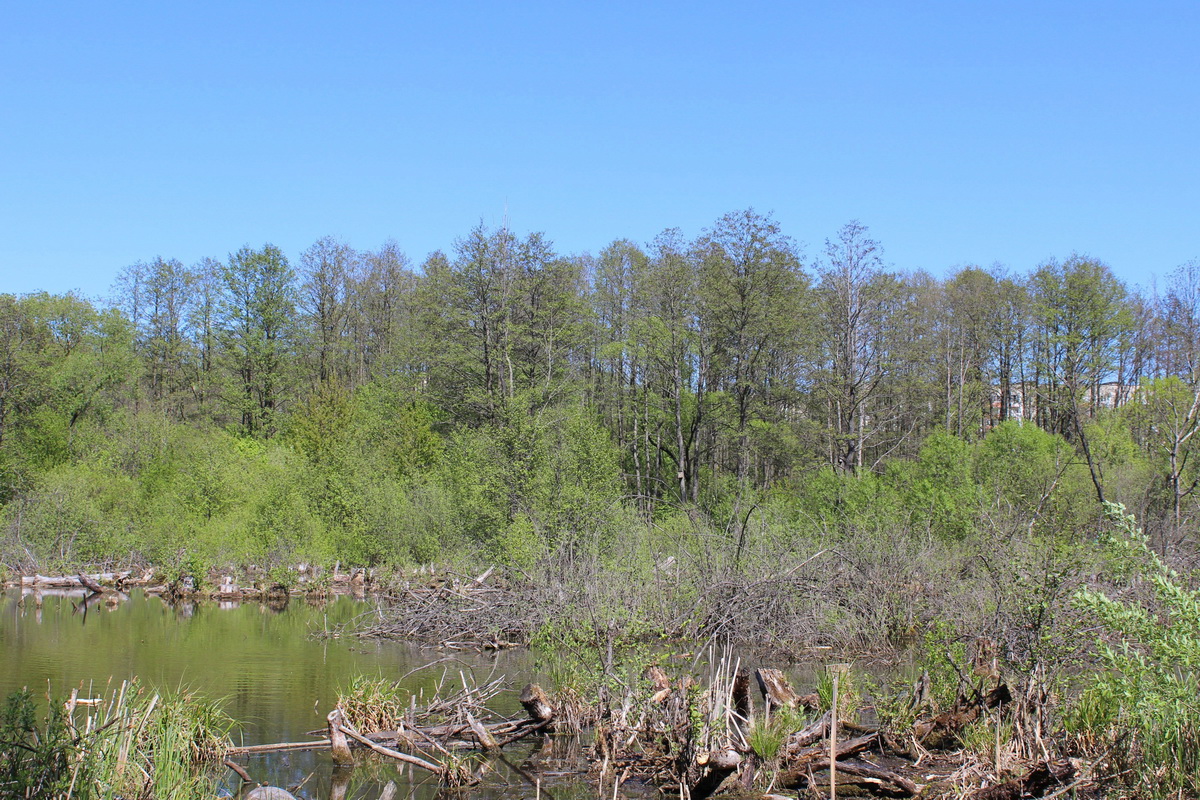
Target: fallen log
{"type": "Point", "coordinates": [1035, 783]}
{"type": "Point", "coordinates": [436, 769]}
{"type": "Point", "coordinates": [487, 742]}
{"type": "Point", "coordinates": [278, 747]}
{"type": "Point", "coordinates": [718, 766]}
{"type": "Point", "coordinates": [944, 729]}
{"type": "Point", "coordinates": [90, 584]}
{"type": "Point", "coordinates": [815, 731]}
{"type": "Point", "coordinates": [876, 778]}
{"type": "Point", "coordinates": [845, 749]}
{"type": "Point", "coordinates": [66, 581]}
{"type": "Point", "coordinates": [799, 764]}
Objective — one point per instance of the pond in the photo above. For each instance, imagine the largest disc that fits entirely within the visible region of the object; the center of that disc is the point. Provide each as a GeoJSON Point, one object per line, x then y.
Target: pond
{"type": "Point", "coordinates": [272, 674]}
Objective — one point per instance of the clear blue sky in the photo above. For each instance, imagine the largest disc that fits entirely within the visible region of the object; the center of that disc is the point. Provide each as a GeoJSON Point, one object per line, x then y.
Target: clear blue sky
{"type": "Point", "coordinates": [959, 132]}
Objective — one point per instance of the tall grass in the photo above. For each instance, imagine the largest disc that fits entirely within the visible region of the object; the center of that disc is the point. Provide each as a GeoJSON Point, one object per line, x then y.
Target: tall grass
{"type": "Point", "coordinates": [127, 742]}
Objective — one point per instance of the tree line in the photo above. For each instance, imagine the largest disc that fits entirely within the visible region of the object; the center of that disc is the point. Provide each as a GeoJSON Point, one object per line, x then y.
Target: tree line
{"type": "Point", "coordinates": [698, 374]}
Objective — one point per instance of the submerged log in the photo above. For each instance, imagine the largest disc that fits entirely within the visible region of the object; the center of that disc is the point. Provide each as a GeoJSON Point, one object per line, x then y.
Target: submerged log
{"type": "Point", "coordinates": [1035, 783]}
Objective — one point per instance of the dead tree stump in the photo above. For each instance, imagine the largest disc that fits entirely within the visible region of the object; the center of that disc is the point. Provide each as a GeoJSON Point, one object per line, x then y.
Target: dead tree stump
{"type": "Point", "coordinates": [337, 738]}
{"type": "Point", "coordinates": [537, 705]}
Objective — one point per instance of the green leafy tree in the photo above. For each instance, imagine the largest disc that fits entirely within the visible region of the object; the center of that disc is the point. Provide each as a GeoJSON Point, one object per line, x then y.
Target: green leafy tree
{"type": "Point", "coordinates": [257, 335]}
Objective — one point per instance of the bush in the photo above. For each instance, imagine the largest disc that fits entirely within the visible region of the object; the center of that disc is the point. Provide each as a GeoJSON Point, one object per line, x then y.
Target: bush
{"type": "Point", "coordinates": [1142, 708]}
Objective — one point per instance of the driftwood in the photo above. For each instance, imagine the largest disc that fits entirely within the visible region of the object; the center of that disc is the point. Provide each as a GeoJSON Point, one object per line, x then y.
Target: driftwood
{"type": "Point", "coordinates": [92, 581]}
{"type": "Point", "coordinates": [487, 742]}
{"type": "Point", "coordinates": [396, 754]}
{"type": "Point", "coordinates": [814, 731]}
{"type": "Point", "coordinates": [1035, 783]}
{"type": "Point", "coordinates": [279, 747]}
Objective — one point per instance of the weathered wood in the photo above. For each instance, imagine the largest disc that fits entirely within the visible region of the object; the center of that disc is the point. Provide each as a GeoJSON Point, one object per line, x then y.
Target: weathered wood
{"type": "Point", "coordinates": [719, 766]}
{"type": "Point", "coordinates": [743, 704]}
{"type": "Point", "coordinates": [90, 584]}
{"type": "Point", "coordinates": [537, 704]}
{"type": "Point", "coordinates": [1035, 783]}
{"type": "Point", "coordinates": [487, 742]}
{"type": "Point", "coordinates": [279, 747]}
{"type": "Point", "coordinates": [944, 729]}
{"type": "Point", "coordinates": [67, 581]}
{"type": "Point", "coordinates": [776, 691]}
{"type": "Point", "coordinates": [814, 731]}
{"type": "Point", "coordinates": [270, 793]}
{"type": "Point", "coordinates": [436, 769]}
{"type": "Point", "coordinates": [661, 683]}
{"type": "Point", "coordinates": [883, 780]}
{"type": "Point", "coordinates": [389, 791]}
{"type": "Point", "coordinates": [801, 763]}
{"type": "Point", "coordinates": [337, 738]}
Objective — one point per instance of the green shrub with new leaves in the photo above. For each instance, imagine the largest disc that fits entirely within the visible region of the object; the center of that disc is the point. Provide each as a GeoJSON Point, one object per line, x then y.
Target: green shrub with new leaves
{"type": "Point", "coordinates": [1142, 710]}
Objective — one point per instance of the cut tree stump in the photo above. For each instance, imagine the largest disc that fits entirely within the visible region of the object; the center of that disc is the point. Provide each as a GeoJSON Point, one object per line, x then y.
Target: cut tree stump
{"type": "Point", "coordinates": [776, 691]}
{"type": "Point", "coordinates": [537, 705]}
{"type": "Point", "coordinates": [719, 766]}
{"type": "Point", "coordinates": [337, 738]}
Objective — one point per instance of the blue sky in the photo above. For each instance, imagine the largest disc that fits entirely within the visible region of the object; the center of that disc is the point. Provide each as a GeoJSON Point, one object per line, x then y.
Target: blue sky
{"type": "Point", "coordinates": [959, 132]}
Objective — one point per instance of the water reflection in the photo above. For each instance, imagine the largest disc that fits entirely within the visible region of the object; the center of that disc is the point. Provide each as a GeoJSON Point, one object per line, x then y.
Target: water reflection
{"type": "Point", "coordinates": [260, 658]}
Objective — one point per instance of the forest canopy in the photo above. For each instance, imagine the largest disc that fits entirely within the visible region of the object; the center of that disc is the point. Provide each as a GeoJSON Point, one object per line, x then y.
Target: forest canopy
{"type": "Point", "coordinates": [504, 401]}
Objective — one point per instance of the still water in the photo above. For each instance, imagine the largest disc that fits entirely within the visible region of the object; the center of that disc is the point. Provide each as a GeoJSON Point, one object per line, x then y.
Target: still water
{"type": "Point", "coordinates": [272, 674]}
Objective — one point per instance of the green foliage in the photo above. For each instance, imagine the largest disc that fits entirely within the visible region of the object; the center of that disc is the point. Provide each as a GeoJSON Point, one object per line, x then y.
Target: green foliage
{"type": "Point", "coordinates": [131, 745]}
{"type": "Point", "coordinates": [768, 733]}
{"type": "Point", "coordinates": [938, 489]}
{"type": "Point", "coordinates": [36, 760]}
{"type": "Point", "coordinates": [371, 703]}
{"type": "Point", "coordinates": [1142, 706]}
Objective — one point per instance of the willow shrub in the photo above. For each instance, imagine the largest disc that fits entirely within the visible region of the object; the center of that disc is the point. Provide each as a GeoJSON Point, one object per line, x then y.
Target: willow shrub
{"type": "Point", "coordinates": [1142, 708]}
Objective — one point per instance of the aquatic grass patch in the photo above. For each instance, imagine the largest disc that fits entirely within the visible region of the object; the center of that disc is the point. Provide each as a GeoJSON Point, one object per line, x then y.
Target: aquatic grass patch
{"type": "Point", "coordinates": [373, 703]}
{"type": "Point", "coordinates": [126, 743]}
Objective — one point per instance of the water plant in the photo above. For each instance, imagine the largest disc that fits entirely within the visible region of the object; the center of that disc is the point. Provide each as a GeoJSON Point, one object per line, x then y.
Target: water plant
{"type": "Point", "coordinates": [125, 743]}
